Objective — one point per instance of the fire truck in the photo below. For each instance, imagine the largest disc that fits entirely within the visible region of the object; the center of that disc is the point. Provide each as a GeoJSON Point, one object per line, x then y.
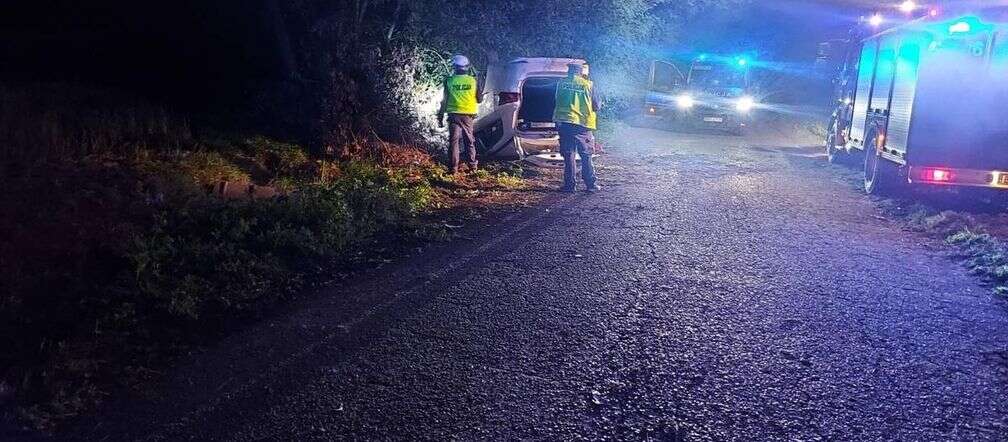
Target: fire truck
{"type": "Point", "coordinates": [925, 102]}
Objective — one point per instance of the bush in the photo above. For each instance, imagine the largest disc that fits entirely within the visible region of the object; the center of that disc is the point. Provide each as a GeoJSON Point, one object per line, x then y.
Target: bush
{"type": "Point", "coordinates": [233, 255]}
{"type": "Point", "coordinates": [219, 256]}
{"type": "Point", "coordinates": [280, 159]}
{"type": "Point", "coordinates": [102, 279]}
{"type": "Point", "coordinates": [209, 168]}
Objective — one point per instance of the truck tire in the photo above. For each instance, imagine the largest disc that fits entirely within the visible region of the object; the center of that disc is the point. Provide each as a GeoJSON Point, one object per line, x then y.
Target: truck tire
{"type": "Point", "coordinates": [834, 155]}
{"type": "Point", "coordinates": [881, 176]}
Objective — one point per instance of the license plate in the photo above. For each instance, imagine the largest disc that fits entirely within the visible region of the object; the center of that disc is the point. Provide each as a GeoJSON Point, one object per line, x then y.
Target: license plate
{"type": "Point", "coordinates": [1002, 179]}
{"type": "Point", "coordinates": [541, 125]}
{"type": "Point", "coordinates": [713, 120]}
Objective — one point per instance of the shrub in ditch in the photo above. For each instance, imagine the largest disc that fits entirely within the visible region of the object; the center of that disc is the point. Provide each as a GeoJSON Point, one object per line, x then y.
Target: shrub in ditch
{"type": "Point", "coordinates": [985, 256]}
{"type": "Point", "coordinates": [121, 281]}
{"type": "Point", "coordinates": [220, 256]}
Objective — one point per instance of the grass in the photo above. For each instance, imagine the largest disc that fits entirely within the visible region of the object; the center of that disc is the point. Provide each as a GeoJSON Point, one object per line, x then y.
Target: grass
{"type": "Point", "coordinates": [104, 282]}
{"type": "Point", "coordinates": [983, 254]}
{"type": "Point", "coordinates": [116, 258]}
{"type": "Point", "coordinates": [42, 121]}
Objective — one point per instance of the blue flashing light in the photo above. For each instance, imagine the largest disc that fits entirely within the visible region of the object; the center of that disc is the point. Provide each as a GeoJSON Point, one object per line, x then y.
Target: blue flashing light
{"type": "Point", "coordinates": [743, 62]}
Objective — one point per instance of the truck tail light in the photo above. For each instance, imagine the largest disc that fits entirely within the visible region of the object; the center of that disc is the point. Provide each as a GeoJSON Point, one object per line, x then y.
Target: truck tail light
{"type": "Point", "coordinates": [508, 97]}
{"type": "Point", "coordinates": [936, 174]}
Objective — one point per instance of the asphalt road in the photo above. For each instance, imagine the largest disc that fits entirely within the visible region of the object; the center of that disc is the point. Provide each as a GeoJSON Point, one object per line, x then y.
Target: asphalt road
{"type": "Point", "coordinates": [719, 288]}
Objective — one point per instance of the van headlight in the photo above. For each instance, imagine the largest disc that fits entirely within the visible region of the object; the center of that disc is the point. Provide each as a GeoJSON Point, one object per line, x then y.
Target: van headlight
{"type": "Point", "coordinates": [745, 104]}
{"type": "Point", "coordinates": [685, 101]}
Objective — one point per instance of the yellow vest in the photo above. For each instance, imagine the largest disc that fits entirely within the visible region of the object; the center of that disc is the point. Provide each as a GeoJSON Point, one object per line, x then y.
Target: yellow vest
{"type": "Point", "coordinates": [574, 102]}
{"type": "Point", "coordinates": [461, 95]}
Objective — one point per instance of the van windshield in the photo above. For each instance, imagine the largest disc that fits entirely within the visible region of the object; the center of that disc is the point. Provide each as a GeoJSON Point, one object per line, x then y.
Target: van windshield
{"type": "Point", "coordinates": [712, 76]}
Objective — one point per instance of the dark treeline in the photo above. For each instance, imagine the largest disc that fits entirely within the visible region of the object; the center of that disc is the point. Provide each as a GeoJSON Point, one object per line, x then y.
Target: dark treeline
{"type": "Point", "coordinates": [319, 70]}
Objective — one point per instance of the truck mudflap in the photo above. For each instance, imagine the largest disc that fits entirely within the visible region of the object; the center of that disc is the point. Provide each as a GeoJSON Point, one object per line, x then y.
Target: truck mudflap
{"type": "Point", "coordinates": [948, 176]}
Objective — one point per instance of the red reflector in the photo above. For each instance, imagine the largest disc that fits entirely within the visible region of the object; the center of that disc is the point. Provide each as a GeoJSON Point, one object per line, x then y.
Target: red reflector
{"type": "Point", "coordinates": [937, 175]}
{"type": "Point", "coordinates": [508, 97]}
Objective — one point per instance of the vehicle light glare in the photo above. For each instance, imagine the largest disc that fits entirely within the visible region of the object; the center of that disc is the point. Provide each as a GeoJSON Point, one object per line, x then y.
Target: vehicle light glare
{"type": "Point", "coordinates": [745, 104]}
{"type": "Point", "coordinates": [685, 101]}
{"type": "Point", "coordinates": [876, 20]}
{"type": "Point", "coordinates": [939, 175]}
{"type": "Point", "coordinates": [908, 6]}
{"type": "Point", "coordinates": [960, 28]}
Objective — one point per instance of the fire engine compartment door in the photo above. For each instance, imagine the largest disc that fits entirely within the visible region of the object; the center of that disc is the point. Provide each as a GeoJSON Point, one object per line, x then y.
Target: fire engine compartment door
{"type": "Point", "coordinates": [904, 90]}
{"type": "Point", "coordinates": [885, 70]}
{"type": "Point", "coordinates": [866, 72]}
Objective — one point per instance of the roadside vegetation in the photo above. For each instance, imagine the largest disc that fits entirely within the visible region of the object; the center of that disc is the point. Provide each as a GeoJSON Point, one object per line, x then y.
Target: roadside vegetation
{"type": "Point", "coordinates": [982, 252]}
{"type": "Point", "coordinates": [130, 236]}
{"type": "Point", "coordinates": [972, 228]}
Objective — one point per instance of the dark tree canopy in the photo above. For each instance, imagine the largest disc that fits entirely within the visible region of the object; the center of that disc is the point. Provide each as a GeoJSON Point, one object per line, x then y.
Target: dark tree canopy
{"type": "Point", "coordinates": [315, 69]}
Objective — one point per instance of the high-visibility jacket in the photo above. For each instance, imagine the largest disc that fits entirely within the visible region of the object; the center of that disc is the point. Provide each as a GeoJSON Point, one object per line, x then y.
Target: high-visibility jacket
{"type": "Point", "coordinates": [460, 95]}
{"type": "Point", "coordinates": [574, 102]}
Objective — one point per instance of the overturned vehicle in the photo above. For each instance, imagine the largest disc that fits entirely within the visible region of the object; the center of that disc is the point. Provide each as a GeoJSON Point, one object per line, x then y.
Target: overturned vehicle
{"type": "Point", "coordinates": [517, 122]}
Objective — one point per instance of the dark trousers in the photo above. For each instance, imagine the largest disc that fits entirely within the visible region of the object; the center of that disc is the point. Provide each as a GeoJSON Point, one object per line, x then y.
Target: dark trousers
{"type": "Point", "coordinates": [580, 140]}
{"type": "Point", "coordinates": [460, 129]}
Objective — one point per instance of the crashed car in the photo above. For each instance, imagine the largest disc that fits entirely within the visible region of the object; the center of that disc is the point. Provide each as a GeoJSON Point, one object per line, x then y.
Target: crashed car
{"type": "Point", "coordinates": [517, 123]}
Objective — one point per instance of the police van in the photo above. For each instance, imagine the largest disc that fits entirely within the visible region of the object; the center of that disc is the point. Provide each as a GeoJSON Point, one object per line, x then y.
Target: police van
{"type": "Point", "coordinates": [926, 103]}
{"type": "Point", "coordinates": [715, 92]}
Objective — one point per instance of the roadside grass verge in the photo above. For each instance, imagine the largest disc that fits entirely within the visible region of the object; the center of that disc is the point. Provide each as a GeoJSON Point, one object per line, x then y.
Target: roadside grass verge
{"type": "Point", "coordinates": [112, 267]}
{"type": "Point", "coordinates": [119, 251]}
{"type": "Point", "coordinates": [983, 253]}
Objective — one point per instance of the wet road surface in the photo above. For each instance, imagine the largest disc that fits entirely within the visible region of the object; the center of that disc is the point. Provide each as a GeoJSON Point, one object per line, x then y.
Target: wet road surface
{"type": "Point", "coordinates": [719, 288]}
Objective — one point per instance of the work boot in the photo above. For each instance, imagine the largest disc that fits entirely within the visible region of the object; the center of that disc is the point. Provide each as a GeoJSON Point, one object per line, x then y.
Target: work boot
{"type": "Point", "coordinates": [473, 167]}
{"type": "Point", "coordinates": [593, 188]}
{"type": "Point", "coordinates": [567, 189]}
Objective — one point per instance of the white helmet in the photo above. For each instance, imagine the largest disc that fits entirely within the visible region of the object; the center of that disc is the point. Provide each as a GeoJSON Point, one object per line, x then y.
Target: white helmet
{"type": "Point", "coordinates": [460, 61]}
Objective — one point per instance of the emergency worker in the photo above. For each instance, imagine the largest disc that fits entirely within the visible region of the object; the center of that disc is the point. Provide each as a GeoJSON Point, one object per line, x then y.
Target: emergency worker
{"type": "Point", "coordinates": [462, 95]}
{"type": "Point", "coordinates": [576, 115]}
